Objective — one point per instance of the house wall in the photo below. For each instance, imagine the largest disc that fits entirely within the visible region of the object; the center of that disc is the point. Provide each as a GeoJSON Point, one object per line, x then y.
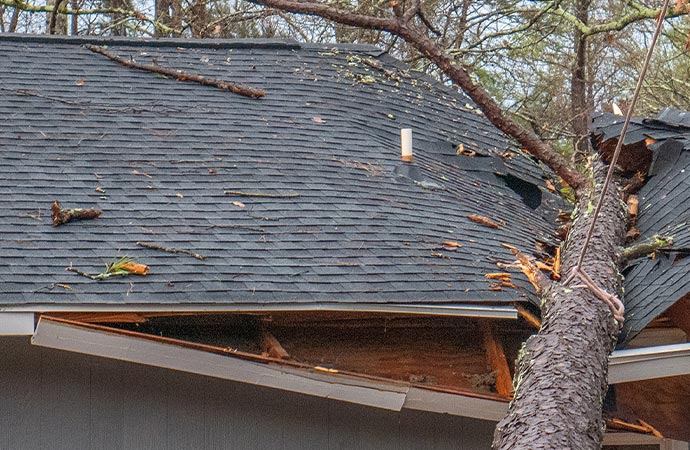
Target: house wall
{"type": "Point", "coordinates": [56, 400]}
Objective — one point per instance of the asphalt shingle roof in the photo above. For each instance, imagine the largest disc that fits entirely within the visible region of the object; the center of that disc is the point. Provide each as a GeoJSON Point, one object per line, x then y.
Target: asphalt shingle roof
{"type": "Point", "coordinates": [365, 227]}
{"type": "Point", "coordinates": [653, 285]}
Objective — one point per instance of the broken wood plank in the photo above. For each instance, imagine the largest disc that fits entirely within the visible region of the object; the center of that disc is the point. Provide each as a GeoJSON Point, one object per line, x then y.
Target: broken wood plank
{"type": "Point", "coordinates": [528, 316]}
{"type": "Point", "coordinates": [496, 357]}
{"type": "Point", "coordinates": [98, 317]}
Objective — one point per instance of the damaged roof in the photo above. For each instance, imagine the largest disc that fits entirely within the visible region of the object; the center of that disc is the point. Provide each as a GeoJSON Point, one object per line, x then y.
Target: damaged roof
{"type": "Point", "coordinates": [654, 285]}
{"type": "Point", "coordinates": [298, 198]}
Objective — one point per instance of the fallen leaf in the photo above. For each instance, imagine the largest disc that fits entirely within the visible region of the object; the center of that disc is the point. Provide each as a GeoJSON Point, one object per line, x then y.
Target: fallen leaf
{"type": "Point", "coordinates": [212, 171]}
{"type": "Point", "coordinates": [325, 369]}
{"type": "Point", "coordinates": [100, 189]}
{"type": "Point", "coordinates": [135, 268]}
{"type": "Point", "coordinates": [179, 195]}
{"type": "Point", "coordinates": [451, 244]}
{"type": "Point", "coordinates": [483, 221]}
{"type": "Point", "coordinates": [80, 82]}
{"type": "Point", "coordinates": [63, 286]}
{"type": "Point", "coordinates": [440, 255]}
{"type": "Point", "coordinates": [239, 204]}
{"type": "Point", "coordinates": [317, 120]}
{"type": "Point", "coordinates": [550, 186]}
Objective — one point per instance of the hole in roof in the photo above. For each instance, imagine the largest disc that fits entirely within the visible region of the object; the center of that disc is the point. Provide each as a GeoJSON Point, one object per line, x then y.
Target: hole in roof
{"type": "Point", "coordinates": [529, 193]}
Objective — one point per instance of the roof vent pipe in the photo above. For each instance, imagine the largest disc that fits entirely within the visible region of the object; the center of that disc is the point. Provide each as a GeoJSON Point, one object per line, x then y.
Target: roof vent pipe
{"type": "Point", "coordinates": [406, 144]}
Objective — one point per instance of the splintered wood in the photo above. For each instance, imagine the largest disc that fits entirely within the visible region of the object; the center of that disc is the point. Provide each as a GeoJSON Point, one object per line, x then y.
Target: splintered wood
{"type": "Point", "coordinates": [530, 270]}
{"type": "Point", "coordinates": [497, 359]}
{"type": "Point", "coordinates": [483, 221]}
{"type": "Point", "coordinates": [500, 280]}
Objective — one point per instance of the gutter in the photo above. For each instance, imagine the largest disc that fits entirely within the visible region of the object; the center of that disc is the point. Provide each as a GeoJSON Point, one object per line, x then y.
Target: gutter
{"type": "Point", "coordinates": [456, 310]}
{"type": "Point", "coordinates": [649, 362]}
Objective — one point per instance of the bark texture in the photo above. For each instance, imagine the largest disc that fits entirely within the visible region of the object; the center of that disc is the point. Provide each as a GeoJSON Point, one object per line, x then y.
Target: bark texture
{"type": "Point", "coordinates": [561, 378]}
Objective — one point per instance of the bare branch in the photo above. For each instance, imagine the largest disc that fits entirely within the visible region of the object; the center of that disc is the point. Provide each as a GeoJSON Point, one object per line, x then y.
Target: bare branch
{"type": "Point", "coordinates": [339, 15]}
{"type": "Point", "coordinates": [220, 84]}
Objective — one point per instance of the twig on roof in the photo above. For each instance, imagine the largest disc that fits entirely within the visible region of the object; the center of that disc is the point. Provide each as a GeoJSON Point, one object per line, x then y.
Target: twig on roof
{"type": "Point", "coordinates": [62, 216]}
{"type": "Point", "coordinates": [82, 273]}
{"type": "Point", "coordinates": [257, 194]}
{"type": "Point", "coordinates": [170, 250]}
{"type": "Point", "coordinates": [220, 84]}
{"type": "Point", "coordinates": [119, 268]}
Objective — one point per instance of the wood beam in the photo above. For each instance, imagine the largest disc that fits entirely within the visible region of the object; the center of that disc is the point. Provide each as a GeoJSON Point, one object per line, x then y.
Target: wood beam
{"type": "Point", "coordinates": [270, 345]}
{"type": "Point", "coordinates": [528, 316]}
{"type": "Point", "coordinates": [496, 357]}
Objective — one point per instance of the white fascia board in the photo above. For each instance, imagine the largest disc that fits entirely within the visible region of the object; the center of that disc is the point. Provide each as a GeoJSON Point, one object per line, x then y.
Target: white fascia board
{"type": "Point", "coordinates": [391, 396]}
{"type": "Point", "coordinates": [457, 310]}
{"type": "Point", "coordinates": [16, 323]}
{"type": "Point", "coordinates": [627, 438]}
{"type": "Point", "coordinates": [84, 340]}
{"type": "Point", "coordinates": [649, 363]}
{"type": "Point", "coordinates": [457, 405]}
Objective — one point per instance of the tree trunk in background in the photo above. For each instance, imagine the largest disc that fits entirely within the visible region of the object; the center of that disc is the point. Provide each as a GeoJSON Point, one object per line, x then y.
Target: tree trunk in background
{"type": "Point", "coordinates": [163, 16]}
{"type": "Point", "coordinates": [14, 21]}
{"type": "Point", "coordinates": [116, 19]}
{"type": "Point", "coordinates": [60, 19]}
{"type": "Point", "coordinates": [579, 101]}
{"type": "Point", "coordinates": [199, 18]}
{"type": "Point", "coordinates": [561, 378]}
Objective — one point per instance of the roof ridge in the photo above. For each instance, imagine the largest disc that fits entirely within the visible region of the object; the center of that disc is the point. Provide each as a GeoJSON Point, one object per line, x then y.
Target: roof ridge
{"type": "Point", "coordinates": [264, 43]}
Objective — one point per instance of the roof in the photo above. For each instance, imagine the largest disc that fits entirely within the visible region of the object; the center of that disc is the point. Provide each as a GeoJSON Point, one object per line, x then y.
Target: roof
{"type": "Point", "coordinates": [355, 225]}
{"type": "Point", "coordinates": [653, 285]}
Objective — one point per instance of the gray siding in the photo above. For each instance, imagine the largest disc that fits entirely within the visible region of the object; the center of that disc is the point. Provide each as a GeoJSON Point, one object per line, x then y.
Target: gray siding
{"type": "Point", "coordinates": [58, 400]}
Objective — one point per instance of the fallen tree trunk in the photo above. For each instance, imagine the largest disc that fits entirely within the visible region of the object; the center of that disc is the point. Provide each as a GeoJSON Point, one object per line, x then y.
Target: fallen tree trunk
{"type": "Point", "coordinates": [561, 378]}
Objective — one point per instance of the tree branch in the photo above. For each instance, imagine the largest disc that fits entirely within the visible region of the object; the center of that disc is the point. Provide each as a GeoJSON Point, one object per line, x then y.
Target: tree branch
{"type": "Point", "coordinates": [641, 13]}
{"type": "Point", "coordinates": [459, 75]}
{"type": "Point", "coordinates": [645, 248]}
{"type": "Point", "coordinates": [328, 12]}
{"type": "Point", "coordinates": [220, 84]}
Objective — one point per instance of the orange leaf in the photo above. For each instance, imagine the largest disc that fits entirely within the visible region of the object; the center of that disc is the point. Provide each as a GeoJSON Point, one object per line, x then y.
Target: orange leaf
{"type": "Point", "coordinates": [239, 204]}
{"type": "Point", "coordinates": [451, 244]}
{"type": "Point", "coordinates": [135, 268]}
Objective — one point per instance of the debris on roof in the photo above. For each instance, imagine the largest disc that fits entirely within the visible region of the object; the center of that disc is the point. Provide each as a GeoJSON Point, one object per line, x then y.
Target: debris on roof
{"type": "Point", "coordinates": [285, 210]}
{"type": "Point", "coordinates": [659, 151]}
{"type": "Point", "coordinates": [62, 215]}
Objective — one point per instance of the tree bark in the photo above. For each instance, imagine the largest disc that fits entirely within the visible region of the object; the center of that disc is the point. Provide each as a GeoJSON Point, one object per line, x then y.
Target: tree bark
{"type": "Point", "coordinates": [561, 378]}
